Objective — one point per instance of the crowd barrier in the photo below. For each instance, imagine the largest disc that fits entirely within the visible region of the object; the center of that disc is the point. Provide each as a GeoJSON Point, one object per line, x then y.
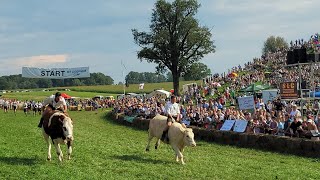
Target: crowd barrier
{"type": "Point", "coordinates": [281, 144]}
{"type": "Point", "coordinates": [75, 108]}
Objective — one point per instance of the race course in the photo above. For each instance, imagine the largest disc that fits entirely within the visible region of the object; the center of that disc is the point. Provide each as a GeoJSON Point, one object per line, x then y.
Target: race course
{"type": "Point", "coordinates": [105, 150]}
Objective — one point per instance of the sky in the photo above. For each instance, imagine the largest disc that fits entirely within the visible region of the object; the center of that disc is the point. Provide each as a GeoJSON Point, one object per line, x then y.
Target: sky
{"type": "Point", "coordinates": [73, 33]}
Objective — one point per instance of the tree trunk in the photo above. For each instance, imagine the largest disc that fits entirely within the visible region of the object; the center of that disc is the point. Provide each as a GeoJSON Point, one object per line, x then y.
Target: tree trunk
{"type": "Point", "coordinates": [176, 77]}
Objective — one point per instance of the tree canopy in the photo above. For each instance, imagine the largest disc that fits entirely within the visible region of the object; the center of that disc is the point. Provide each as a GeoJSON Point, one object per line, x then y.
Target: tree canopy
{"type": "Point", "coordinates": [144, 77]}
{"type": "Point", "coordinates": [176, 39]}
{"type": "Point", "coordinates": [19, 82]}
{"type": "Point", "coordinates": [272, 44]}
{"type": "Point", "coordinates": [196, 72]}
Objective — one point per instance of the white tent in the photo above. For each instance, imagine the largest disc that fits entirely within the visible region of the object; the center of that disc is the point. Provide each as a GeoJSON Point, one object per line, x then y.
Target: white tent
{"type": "Point", "coordinates": [161, 94]}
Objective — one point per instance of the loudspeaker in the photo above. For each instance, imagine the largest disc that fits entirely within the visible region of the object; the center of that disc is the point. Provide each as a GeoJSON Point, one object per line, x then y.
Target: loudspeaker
{"type": "Point", "coordinates": [310, 57]}
{"type": "Point", "coordinates": [290, 58]}
{"type": "Point", "coordinates": [304, 85]}
{"type": "Point", "coordinates": [295, 56]}
{"type": "Point", "coordinates": [303, 55]}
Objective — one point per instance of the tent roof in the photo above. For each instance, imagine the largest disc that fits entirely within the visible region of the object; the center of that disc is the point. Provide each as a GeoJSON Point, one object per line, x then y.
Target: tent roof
{"type": "Point", "coordinates": [66, 96]}
{"type": "Point", "coordinates": [167, 93]}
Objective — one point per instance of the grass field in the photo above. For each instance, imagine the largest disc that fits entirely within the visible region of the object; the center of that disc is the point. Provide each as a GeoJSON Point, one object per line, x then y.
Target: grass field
{"type": "Point", "coordinates": [104, 150]}
{"type": "Point", "coordinates": [118, 89]}
{"type": "Point", "coordinates": [91, 91]}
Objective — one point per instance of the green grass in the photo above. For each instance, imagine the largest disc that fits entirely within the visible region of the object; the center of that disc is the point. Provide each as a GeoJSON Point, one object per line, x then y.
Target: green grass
{"type": "Point", "coordinates": [118, 89]}
{"type": "Point", "coordinates": [104, 150]}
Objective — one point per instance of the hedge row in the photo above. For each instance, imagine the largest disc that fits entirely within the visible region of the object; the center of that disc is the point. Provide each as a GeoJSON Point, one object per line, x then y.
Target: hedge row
{"type": "Point", "coordinates": [281, 144]}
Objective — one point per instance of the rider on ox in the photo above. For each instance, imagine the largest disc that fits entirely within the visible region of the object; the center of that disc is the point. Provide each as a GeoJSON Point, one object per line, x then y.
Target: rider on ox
{"type": "Point", "coordinates": [54, 102]}
{"type": "Point", "coordinates": [59, 128]}
{"type": "Point", "coordinates": [56, 125]}
{"type": "Point", "coordinates": [173, 113]}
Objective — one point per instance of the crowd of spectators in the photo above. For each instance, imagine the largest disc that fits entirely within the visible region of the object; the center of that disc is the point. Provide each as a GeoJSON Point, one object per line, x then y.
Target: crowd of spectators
{"type": "Point", "coordinates": [213, 102]}
{"type": "Point", "coordinates": [34, 107]}
{"type": "Point", "coordinates": [208, 106]}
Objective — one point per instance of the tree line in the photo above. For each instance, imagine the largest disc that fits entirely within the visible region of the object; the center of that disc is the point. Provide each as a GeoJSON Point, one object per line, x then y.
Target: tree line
{"type": "Point", "coordinates": [196, 72]}
{"type": "Point", "coordinates": [19, 82]}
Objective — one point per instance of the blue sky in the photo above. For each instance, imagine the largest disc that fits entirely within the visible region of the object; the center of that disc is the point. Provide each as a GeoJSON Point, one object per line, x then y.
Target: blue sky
{"type": "Point", "coordinates": [73, 33]}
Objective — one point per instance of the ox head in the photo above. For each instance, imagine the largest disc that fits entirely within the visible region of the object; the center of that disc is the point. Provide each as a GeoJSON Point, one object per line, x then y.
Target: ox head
{"type": "Point", "coordinates": [189, 137]}
{"type": "Point", "coordinates": [67, 126]}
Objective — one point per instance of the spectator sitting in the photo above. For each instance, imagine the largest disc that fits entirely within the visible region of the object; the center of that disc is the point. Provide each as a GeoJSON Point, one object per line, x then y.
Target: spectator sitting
{"type": "Point", "coordinates": [311, 129]}
{"type": "Point", "coordinates": [295, 127]}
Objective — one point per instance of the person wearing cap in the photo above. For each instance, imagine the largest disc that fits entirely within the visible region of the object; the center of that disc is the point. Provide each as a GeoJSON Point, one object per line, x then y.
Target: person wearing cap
{"type": "Point", "coordinates": [54, 102]}
{"type": "Point", "coordinates": [311, 129]}
{"type": "Point", "coordinates": [294, 112]}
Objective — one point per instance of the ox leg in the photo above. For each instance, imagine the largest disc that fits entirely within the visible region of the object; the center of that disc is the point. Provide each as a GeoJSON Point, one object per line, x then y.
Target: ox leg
{"type": "Point", "coordinates": [157, 144]}
{"type": "Point", "coordinates": [58, 150]}
{"type": "Point", "coordinates": [149, 140]}
{"type": "Point", "coordinates": [179, 155]}
{"type": "Point", "coordinates": [46, 138]}
{"type": "Point", "coordinates": [69, 150]}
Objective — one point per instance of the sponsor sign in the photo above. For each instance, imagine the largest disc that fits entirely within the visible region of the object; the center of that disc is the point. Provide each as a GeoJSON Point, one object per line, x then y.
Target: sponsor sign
{"type": "Point", "coordinates": [269, 95]}
{"type": "Point", "coordinates": [289, 90]}
{"type": "Point", "coordinates": [246, 102]}
{"type": "Point", "coordinates": [55, 73]}
{"type": "Point", "coordinates": [227, 125]}
{"type": "Point", "coordinates": [240, 126]}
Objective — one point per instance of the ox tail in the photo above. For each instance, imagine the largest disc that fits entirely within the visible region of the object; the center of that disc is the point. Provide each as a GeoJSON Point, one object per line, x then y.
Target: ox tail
{"type": "Point", "coordinates": [53, 115]}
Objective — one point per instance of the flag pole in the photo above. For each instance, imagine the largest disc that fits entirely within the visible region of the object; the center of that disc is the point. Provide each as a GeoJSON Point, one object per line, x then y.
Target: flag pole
{"type": "Point", "coordinates": [124, 78]}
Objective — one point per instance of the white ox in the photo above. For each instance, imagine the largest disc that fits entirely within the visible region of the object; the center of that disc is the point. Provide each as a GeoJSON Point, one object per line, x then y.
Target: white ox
{"type": "Point", "coordinates": [59, 128]}
{"type": "Point", "coordinates": [179, 137]}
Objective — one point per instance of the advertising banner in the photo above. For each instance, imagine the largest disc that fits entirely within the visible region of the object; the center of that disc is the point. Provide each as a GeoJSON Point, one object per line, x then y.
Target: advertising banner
{"type": "Point", "coordinates": [289, 90]}
{"type": "Point", "coordinates": [246, 102]}
{"type": "Point", "coordinates": [55, 73]}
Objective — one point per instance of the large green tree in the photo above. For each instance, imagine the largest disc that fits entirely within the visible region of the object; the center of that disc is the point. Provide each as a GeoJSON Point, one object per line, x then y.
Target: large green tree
{"type": "Point", "coordinates": [272, 44]}
{"type": "Point", "coordinates": [176, 39]}
{"type": "Point", "coordinates": [197, 71]}
{"type": "Point", "coordinates": [144, 77]}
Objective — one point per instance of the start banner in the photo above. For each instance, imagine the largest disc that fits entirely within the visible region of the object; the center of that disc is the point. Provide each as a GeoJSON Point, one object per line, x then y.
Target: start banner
{"type": "Point", "coordinates": [55, 73]}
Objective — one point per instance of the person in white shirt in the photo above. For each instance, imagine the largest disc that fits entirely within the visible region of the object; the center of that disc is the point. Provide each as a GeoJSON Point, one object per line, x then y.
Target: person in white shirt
{"type": "Point", "coordinates": [294, 112]}
{"type": "Point", "coordinates": [5, 106]}
{"type": "Point", "coordinates": [25, 108]}
{"type": "Point", "coordinates": [39, 107]}
{"type": "Point", "coordinates": [54, 102]}
{"type": "Point", "coordinates": [15, 106]}
{"type": "Point", "coordinates": [172, 110]}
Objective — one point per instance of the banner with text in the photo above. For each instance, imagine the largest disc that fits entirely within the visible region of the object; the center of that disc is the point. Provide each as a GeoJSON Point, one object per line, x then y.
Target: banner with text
{"type": "Point", "coordinates": [240, 126]}
{"type": "Point", "coordinates": [246, 102]}
{"type": "Point", "coordinates": [289, 90]}
{"type": "Point", "coordinates": [55, 73]}
{"type": "Point", "coordinates": [227, 125]}
{"type": "Point", "coordinates": [269, 95]}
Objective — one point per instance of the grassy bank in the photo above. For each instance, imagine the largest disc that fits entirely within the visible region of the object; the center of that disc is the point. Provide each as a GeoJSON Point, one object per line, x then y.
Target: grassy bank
{"type": "Point", "coordinates": [104, 150]}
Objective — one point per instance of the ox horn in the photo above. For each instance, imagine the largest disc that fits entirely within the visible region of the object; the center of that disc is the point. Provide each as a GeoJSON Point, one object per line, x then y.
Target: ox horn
{"type": "Point", "coordinates": [53, 115]}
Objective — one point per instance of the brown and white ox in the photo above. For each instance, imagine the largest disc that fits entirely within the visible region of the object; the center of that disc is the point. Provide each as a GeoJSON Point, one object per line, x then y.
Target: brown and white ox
{"type": "Point", "coordinates": [59, 128]}
{"type": "Point", "coordinates": [179, 137]}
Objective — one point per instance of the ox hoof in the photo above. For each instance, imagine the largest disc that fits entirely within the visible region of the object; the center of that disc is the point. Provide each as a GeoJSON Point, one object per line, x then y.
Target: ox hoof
{"type": "Point", "coordinates": [147, 149]}
{"type": "Point", "coordinates": [48, 159]}
{"type": "Point", "coordinates": [156, 147]}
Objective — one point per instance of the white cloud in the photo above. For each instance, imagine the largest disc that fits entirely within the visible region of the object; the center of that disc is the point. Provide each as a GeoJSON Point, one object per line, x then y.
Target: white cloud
{"type": "Point", "coordinates": [41, 60]}
{"type": "Point", "coordinates": [14, 65]}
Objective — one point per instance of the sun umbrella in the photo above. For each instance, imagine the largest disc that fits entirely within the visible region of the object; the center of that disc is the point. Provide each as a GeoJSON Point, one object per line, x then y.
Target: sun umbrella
{"type": "Point", "coordinates": [254, 88]}
{"type": "Point", "coordinates": [66, 96]}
